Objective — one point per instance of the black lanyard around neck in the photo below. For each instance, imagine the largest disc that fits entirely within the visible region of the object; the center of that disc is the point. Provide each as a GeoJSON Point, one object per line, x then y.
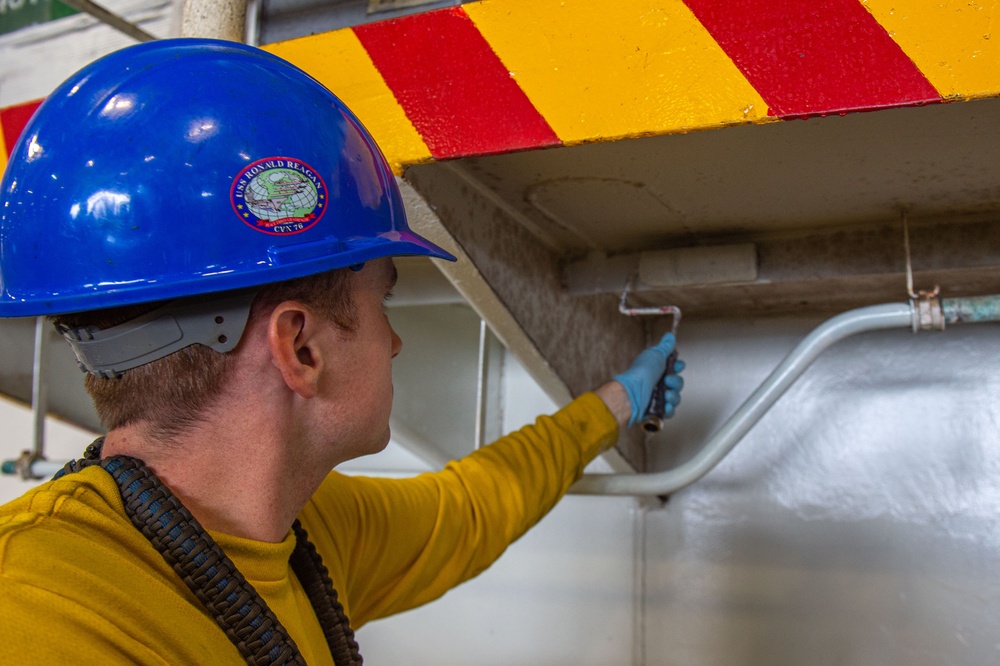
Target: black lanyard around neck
{"type": "Point", "coordinates": [208, 572]}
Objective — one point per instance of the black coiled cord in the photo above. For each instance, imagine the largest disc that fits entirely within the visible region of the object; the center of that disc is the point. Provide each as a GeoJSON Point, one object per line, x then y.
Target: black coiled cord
{"type": "Point", "coordinates": [208, 572]}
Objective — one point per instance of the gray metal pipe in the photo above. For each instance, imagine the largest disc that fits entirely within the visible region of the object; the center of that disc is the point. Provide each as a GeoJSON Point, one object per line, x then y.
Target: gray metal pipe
{"type": "Point", "coordinates": [45, 469]}
{"type": "Point", "coordinates": [39, 388]}
{"type": "Point", "coordinates": [971, 310]}
{"type": "Point", "coordinates": [873, 318]}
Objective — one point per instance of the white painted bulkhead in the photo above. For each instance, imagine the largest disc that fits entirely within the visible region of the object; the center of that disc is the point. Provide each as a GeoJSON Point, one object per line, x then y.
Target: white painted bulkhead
{"type": "Point", "coordinates": [857, 524]}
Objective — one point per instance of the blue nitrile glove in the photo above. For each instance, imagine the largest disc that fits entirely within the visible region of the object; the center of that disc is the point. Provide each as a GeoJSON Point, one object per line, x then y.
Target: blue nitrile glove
{"type": "Point", "coordinates": [641, 378]}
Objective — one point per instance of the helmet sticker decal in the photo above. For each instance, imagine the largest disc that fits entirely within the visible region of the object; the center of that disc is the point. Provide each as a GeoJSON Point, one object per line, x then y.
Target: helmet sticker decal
{"type": "Point", "coordinates": [279, 196]}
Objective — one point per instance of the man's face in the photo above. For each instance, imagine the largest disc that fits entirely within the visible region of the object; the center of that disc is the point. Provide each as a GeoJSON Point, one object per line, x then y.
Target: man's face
{"type": "Point", "coordinates": [362, 370]}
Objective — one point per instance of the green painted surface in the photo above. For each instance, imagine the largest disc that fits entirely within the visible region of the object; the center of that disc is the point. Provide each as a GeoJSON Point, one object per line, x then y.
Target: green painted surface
{"type": "Point", "coordinates": [975, 309]}
{"type": "Point", "coordinates": [17, 14]}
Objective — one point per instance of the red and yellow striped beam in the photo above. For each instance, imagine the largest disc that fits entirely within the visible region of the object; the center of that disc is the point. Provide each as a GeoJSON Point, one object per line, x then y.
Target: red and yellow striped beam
{"type": "Point", "coordinates": [498, 76]}
{"type": "Point", "coordinates": [12, 121]}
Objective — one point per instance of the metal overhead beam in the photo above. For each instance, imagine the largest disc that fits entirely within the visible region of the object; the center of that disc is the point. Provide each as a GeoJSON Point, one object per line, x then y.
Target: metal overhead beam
{"type": "Point", "coordinates": [110, 18]}
{"type": "Point", "coordinates": [817, 270]}
{"type": "Point", "coordinates": [569, 344]}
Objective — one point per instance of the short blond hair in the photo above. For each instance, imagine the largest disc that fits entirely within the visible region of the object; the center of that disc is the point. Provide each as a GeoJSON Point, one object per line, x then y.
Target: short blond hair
{"type": "Point", "coordinates": [169, 395]}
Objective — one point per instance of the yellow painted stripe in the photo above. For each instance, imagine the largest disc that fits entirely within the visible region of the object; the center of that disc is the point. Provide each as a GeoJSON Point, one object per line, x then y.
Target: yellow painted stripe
{"type": "Point", "coordinates": [599, 71]}
{"type": "Point", "coordinates": [950, 41]}
{"type": "Point", "coordinates": [3, 150]}
{"type": "Point", "coordinates": [338, 61]}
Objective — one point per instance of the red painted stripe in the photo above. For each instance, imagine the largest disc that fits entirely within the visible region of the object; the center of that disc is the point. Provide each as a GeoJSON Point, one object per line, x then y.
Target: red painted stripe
{"type": "Point", "coordinates": [808, 57]}
{"type": "Point", "coordinates": [13, 119]}
{"type": "Point", "coordinates": [452, 86]}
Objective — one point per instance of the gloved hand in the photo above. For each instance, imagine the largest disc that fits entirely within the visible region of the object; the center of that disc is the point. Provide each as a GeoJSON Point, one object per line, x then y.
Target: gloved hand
{"type": "Point", "coordinates": [643, 375]}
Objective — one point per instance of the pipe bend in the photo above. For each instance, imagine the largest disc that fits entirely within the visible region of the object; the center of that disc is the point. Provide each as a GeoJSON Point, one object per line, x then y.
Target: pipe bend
{"type": "Point", "coordinates": [852, 322]}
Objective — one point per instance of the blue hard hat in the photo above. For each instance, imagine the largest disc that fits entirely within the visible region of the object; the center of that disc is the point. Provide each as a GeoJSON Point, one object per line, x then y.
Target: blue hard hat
{"type": "Point", "coordinates": [184, 167]}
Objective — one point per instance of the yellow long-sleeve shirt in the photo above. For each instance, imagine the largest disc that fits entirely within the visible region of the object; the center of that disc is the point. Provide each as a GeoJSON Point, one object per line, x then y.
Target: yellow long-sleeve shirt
{"type": "Point", "coordinates": [80, 585]}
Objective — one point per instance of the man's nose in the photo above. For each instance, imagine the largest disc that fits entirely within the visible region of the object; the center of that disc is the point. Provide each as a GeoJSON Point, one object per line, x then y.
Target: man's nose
{"type": "Point", "coordinates": [397, 343]}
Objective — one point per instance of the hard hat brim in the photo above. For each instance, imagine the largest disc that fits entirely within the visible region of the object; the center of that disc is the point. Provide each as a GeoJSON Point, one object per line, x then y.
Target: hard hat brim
{"type": "Point", "coordinates": [308, 259]}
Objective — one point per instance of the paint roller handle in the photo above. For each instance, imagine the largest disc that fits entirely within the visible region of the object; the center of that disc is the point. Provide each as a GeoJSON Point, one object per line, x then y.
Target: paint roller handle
{"type": "Point", "coordinates": [651, 368]}
{"type": "Point", "coordinates": [658, 404]}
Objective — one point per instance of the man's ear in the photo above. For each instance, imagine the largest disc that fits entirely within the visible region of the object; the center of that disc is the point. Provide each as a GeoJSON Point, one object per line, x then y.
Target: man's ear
{"type": "Point", "coordinates": [292, 340]}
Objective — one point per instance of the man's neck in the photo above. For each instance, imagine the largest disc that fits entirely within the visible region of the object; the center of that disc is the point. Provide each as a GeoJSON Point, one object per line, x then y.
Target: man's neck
{"type": "Point", "coordinates": [242, 482]}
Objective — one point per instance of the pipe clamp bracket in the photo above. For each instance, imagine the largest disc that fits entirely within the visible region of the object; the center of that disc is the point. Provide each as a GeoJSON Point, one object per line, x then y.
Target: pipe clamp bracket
{"type": "Point", "coordinates": [927, 312]}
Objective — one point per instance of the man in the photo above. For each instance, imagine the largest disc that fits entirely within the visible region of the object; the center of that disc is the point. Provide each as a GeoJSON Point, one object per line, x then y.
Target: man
{"type": "Point", "coordinates": [212, 232]}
